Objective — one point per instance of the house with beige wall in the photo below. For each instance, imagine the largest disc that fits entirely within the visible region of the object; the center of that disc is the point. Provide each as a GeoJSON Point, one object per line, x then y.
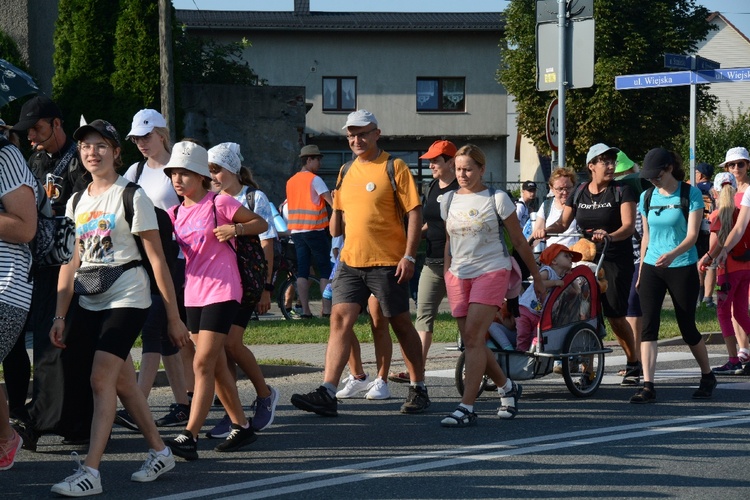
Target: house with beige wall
{"type": "Point", "coordinates": [425, 76]}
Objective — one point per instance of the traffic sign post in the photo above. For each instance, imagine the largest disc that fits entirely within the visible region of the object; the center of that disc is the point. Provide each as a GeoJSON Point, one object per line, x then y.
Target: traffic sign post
{"type": "Point", "coordinates": [552, 128]}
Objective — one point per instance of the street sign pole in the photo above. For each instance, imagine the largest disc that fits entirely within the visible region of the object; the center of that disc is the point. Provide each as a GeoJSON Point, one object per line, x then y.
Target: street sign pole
{"type": "Point", "coordinates": [561, 11]}
{"type": "Point", "coordinates": [693, 111]}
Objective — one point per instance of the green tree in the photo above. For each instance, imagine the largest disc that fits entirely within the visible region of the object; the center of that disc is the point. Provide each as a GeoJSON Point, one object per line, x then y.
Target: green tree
{"type": "Point", "coordinates": [199, 60]}
{"type": "Point", "coordinates": [631, 37]}
{"type": "Point", "coordinates": [715, 134]}
{"type": "Point", "coordinates": [84, 37]}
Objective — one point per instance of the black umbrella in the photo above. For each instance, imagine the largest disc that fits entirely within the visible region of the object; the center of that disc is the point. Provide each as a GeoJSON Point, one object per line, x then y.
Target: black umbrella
{"type": "Point", "coordinates": [14, 83]}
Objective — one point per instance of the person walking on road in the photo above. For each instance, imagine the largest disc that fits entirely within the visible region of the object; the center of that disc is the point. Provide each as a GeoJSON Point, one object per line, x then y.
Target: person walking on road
{"type": "Point", "coordinates": [378, 258]}
{"type": "Point", "coordinates": [669, 264]}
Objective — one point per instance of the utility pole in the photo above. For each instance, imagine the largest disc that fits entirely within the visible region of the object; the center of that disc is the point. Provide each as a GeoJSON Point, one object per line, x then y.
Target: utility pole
{"type": "Point", "coordinates": [165, 65]}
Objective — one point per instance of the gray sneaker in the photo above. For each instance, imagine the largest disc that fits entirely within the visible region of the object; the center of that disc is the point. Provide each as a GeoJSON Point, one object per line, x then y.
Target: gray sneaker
{"type": "Point", "coordinates": [417, 401]}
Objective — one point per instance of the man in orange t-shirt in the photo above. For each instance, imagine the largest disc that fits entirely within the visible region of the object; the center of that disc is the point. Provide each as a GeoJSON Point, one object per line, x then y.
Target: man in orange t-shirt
{"type": "Point", "coordinates": [378, 258]}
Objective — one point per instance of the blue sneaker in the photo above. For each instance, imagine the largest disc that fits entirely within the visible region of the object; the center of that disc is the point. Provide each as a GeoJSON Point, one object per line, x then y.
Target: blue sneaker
{"type": "Point", "coordinates": [265, 410]}
{"type": "Point", "coordinates": [222, 429]}
{"type": "Point", "coordinates": [728, 368]}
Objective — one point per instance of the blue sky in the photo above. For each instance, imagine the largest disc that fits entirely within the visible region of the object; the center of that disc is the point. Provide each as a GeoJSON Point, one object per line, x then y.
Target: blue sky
{"type": "Point", "coordinates": [737, 11]}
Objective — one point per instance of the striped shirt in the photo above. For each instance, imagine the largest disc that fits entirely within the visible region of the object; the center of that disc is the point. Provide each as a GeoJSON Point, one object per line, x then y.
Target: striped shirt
{"type": "Point", "coordinates": [15, 259]}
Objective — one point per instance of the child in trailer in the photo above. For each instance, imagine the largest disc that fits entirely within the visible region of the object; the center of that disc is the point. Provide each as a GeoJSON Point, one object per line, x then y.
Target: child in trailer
{"type": "Point", "coordinates": [557, 261]}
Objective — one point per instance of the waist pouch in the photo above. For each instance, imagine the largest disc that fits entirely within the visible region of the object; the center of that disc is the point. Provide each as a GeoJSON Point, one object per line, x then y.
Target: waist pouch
{"type": "Point", "coordinates": [93, 280]}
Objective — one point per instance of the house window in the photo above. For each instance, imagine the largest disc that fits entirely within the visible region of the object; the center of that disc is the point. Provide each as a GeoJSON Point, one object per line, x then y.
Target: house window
{"type": "Point", "coordinates": [339, 94]}
{"type": "Point", "coordinates": [441, 94]}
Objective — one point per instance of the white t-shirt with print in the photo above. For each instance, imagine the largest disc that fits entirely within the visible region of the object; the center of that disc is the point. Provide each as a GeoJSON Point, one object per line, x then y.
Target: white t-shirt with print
{"type": "Point", "coordinates": [475, 240]}
{"type": "Point", "coordinates": [105, 239]}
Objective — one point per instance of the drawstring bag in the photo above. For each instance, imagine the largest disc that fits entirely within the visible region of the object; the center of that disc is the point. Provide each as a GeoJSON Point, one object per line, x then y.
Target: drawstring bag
{"type": "Point", "coordinates": [93, 280]}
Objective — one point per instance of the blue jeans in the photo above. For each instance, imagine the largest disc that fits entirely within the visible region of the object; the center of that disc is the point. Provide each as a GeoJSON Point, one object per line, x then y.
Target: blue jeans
{"type": "Point", "coordinates": [312, 245]}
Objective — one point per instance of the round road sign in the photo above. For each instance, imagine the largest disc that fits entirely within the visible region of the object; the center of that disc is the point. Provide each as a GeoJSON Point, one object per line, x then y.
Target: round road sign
{"type": "Point", "coordinates": [552, 127]}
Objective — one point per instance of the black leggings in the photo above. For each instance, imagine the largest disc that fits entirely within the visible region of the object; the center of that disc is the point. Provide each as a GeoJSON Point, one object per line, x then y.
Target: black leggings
{"type": "Point", "coordinates": [682, 283]}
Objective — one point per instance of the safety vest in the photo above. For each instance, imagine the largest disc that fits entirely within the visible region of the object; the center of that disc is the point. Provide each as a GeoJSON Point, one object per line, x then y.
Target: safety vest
{"type": "Point", "coordinates": [304, 215]}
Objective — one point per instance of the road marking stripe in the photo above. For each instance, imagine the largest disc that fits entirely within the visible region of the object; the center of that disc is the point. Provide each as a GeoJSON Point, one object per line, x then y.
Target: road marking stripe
{"type": "Point", "coordinates": [446, 458]}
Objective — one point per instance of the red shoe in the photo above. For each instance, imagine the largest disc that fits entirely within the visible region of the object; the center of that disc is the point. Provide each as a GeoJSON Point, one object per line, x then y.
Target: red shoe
{"type": "Point", "coordinates": [8, 450]}
{"type": "Point", "coordinates": [399, 378]}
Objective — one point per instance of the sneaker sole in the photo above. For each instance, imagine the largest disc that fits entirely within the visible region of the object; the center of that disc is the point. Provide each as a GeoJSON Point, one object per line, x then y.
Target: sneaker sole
{"type": "Point", "coordinates": [303, 405]}
{"type": "Point", "coordinates": [187, 455]}
{"type": "Point", "coordinates": [124, 423]}
{"type": "Point", "coordinates": [378, 397]}
{"type": "Point", "coordinates": [138, 479]}
{"type": "Point", "coordinates": [412, 411]}
{"type": "Point", "coordinates": [68, 493]}
{"type": "Point", "coordinates": [181, 423]}
{"type": "Point", "coordinates": [217, 436]}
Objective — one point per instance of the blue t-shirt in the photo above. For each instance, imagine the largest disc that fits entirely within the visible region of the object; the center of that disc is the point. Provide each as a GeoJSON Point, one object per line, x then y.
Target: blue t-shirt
{"type": "Point", "coordinates": [667, 227]}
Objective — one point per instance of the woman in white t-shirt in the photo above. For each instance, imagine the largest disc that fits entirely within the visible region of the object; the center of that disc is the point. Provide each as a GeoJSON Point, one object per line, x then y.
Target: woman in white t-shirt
{"type": "Point", "coordinates": [150, 134]}
{"type": "Point", "coordinates": [231, 178]}
{"type": "Point", "coordinates": [477, 274]}
{"type": "Point", "coordinates": [562, 181]}
{"type": "Point", "coordinates": [113, 317]}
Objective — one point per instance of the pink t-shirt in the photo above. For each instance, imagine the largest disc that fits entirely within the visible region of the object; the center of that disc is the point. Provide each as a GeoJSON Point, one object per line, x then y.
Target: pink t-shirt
{"type": "Point", "coordinates": [211, 274]}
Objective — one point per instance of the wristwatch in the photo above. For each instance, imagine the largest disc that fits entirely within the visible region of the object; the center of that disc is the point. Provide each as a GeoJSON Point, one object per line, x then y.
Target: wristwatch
{"type": "Point", "coordinates": [410, 259]}
{"type": "Point", "coordinates": [268, 287]}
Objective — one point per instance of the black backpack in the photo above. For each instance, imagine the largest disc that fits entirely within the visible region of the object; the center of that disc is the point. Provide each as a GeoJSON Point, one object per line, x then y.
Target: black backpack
{"type": "Point", "coordinates": [165, 232]}
{"type": "Point", "coordinates": [55, 238]}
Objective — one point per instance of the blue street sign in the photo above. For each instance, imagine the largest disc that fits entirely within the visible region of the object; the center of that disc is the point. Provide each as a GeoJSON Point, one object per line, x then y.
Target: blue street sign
{"type": "Point", "coordinates": [678, 61]}
{"type": "Point", "coordinates": [724, 75]}
{"type": "Point", "coordinates": [701, 63]}
{"type": "Point", "coordinates": [654, 80]}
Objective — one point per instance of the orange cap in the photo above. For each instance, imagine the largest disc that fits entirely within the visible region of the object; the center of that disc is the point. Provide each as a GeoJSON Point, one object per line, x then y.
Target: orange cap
{"type": "Point", "coordinates": [549, 253]}
{"type": "Point", "coordinates": [440, 148]}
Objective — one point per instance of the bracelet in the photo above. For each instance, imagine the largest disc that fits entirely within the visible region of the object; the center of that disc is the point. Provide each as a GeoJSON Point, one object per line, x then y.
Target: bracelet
{"type": "Point", "coordinates": [242, 229]}
{"type": "Point", "coordinates": [235, 230]}
{"type": "Point", "coordinates": [58, 317]}
{"type": "Point", "coordinates": [708, 254]}
{"type": "Point", "coordinates": [410, 259]}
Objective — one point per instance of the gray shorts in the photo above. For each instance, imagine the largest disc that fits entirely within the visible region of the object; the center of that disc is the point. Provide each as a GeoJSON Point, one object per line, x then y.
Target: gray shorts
{"type": "Point", "coordinates": [430, 294]}
{"type": "Point", "coordinates": [354, 285]}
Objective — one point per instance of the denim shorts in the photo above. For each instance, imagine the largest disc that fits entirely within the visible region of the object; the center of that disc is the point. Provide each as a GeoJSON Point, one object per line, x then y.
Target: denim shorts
{"type": "Point", "coordinates": [312, 245]}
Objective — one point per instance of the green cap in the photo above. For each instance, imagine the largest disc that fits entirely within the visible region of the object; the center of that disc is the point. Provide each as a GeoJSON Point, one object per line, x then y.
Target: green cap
{"type": "Point", "coordinates": [623, 163]}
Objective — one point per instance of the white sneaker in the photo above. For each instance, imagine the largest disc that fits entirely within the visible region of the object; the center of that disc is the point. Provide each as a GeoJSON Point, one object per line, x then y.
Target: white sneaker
{"type": "Point", "coordinates": [81, 484]}
{"type": "Point", "coordinates": [378, 389]}
{"type": "Point", "coordinates": [154, 466]}
{"type": "Point", "coordinates": [353, 387]}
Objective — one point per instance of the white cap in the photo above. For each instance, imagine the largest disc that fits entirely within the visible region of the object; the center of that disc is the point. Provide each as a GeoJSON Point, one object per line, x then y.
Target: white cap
{"type": "Point", "coordinates": [724, 178]}
{"type": "Point", "coordinates": [360, 118]}
{"type": "Point", "coordinates": [190, 156]}
{"type": "Point", "coordinates": [599, 149]}
{"type": "Point", "coordinates": [227, 155]}
{"type": "Point", "coordinates": [144, 122]}
{"type": "Point", "coordinates": [735, 154]}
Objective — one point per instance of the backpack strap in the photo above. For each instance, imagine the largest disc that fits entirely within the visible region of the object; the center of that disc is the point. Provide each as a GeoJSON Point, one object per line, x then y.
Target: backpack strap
{"type": "Point", "coordinates": [547, 206]}
{"type": "Point", "coordinates": [127, 202]}
{"type": "Point", "coordinates": [500, 224]}
{"type": "Point", "coordinates": [577, 194]}
{"type": "Point", "coordinates": [139, 170]}
{"type": "Point", "coordinates": [390, 169]}
{"type": "Point", "coordinates": [684, 205]}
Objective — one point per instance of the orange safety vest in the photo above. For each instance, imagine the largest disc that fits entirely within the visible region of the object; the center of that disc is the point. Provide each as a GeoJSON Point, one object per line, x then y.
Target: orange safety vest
{"type": "Point", "coordinates": [304, 215]}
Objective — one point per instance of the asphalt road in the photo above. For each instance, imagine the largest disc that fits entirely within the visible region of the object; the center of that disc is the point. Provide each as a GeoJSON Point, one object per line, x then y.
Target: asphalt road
{"type": "Point", "coordinates": [559, 446]}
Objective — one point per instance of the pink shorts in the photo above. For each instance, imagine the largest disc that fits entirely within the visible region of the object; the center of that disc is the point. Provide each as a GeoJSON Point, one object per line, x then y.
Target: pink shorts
{"type": "Point", "coordinates": [488, 289]}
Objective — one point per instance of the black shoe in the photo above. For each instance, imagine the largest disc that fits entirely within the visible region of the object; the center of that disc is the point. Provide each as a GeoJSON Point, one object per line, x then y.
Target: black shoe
{"type": "Point", "coordinates": [706, 387]}
{"type": "Point", "coordinates": [318, 401]}
{"type": "Point", "coordinates": [177, 416]}
{"type": "Point", "coordinates": [745, 369]}
{"type": "Point", "coordinates": [124, 419]}
{"type": "Point", "coordinates": [238, 438]}
{"type": "Point", "coordinates": [27, 433]}
{"type": "Point", "coordinates": [633, 374]}
{"type": "Point", "coordinates": [417, 401]}
{"type": "Point", "coordinates": [643, 396]}
{"type": "Point", "coordinates": [184, 445]}
{"type": "Point", "coordinates": [76, 440]}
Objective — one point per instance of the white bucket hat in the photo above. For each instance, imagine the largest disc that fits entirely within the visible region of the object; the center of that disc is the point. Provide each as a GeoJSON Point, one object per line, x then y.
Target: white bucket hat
{"type": "Point", "coordinates": [144, 122]}
{"type": "Point", "coordinates": [227, 155]}
{"type": "Point", "coordinates": [190, 156]}
{"type": "Point", "coordinates": [735, 154]}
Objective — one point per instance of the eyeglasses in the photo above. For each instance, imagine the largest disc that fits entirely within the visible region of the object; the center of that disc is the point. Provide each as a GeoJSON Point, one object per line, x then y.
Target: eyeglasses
{"type": "Point", "coordinates": [100, 148]}
{"type": "Point", "coordinates": [606, 162]}
{"type": "Point", "coordinates": [143, 138]}
{"type": "Point", "coordinates": [564, 189]}
{"type": "Point", "coordinates": [738, 164]}
{"type": "Point", "coordinates": [657, 178]}
{"type": "Point", "coordinates": [361, 135]}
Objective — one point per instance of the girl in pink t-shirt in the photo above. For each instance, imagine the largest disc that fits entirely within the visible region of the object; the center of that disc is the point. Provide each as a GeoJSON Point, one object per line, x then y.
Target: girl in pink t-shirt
{"type": "Point", "coordinates": [213, 291]}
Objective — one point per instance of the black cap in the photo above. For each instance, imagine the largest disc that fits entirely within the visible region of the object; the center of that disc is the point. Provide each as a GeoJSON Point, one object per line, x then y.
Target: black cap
{"type": "Point", "coordinates": [529, 186]}
{"type": "Point", "coordinates": [655, 161]}
{"type": "Point", "coordinates": [705, 169]}
{"type": "Point", "coordinates": [34, 110]}
{"type": "Point", "coordinates": [102, 127]}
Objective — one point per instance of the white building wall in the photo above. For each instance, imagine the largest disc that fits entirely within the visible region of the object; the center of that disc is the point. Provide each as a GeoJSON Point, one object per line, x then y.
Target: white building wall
{"type": "Point", "coordinates": [732, 50]}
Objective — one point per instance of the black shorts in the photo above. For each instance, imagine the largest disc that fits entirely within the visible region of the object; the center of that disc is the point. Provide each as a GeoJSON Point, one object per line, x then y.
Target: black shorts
{"type": "Point", "coordinates": [116, 329]}
{"type": "Point", "coordinates": [701, 243]}
{"type": "Point", "coordinates": [619, 277]}
{"type": "Point", "coordinates": [217, 317]}
{"type": "Point", "coordinates": [354, 285]}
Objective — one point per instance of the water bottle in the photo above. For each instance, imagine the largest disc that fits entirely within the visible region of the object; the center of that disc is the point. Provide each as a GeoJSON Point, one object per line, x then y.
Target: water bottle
{"type": "Point", "coordinates": [328, 292]}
